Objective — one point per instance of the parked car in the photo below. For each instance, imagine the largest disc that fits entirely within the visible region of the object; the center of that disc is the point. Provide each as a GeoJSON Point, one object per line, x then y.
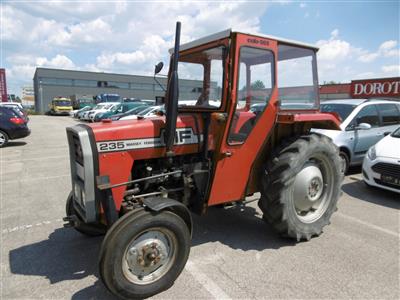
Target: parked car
{"type": "Point", "coordinates": [364, 123]}
{"type": "Point", "coordinates": [75, 113]}
{"type": "Point", "coordinates": [133, 111]}
{"type": "Point", "coordinates": [381, 165]}
{"type": "Point", "coordinates": [120, 108]}
{"type": "Point", "coordinates": [99, 108]}
{"type": "Point", "coordinates": [12, 125]}
{"type": "Point", "coordinates": [257, 108]}
{"type": "Point", "coordinates": [17, 106]}
{"type": "Point", "coordinates": [149, 112]}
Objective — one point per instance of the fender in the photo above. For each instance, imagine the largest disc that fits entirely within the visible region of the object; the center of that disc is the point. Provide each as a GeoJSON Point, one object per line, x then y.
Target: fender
{"type": "Point", "coordinates": [158, 204]}
{"type": "Point", "coordinates": [316, 119]}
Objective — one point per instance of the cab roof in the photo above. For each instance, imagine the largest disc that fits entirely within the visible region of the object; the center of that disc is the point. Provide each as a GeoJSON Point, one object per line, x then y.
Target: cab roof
{"type": "Point", "coordinates": [227, 33]}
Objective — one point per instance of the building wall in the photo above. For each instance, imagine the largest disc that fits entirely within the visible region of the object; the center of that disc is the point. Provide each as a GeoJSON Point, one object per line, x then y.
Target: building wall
{"type": "Point", "coordinates": [50, 83]}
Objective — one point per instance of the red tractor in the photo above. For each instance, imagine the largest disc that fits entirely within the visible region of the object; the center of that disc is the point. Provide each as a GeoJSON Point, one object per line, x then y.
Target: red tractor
{"type": "Point", "coordinates": [240, 124]}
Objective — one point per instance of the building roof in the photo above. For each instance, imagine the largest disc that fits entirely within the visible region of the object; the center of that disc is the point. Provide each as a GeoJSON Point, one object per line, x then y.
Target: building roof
{"type": "Point", "coordinates": [227, 33]}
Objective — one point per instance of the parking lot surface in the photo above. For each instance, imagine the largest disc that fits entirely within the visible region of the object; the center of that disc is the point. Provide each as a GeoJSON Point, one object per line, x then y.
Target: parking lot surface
{"type": "Point", "coordinates": [234, 253]}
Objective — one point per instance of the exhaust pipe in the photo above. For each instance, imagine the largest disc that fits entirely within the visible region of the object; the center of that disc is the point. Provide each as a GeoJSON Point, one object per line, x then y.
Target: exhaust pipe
{"type": "Point", "coordinates": [172, 97]}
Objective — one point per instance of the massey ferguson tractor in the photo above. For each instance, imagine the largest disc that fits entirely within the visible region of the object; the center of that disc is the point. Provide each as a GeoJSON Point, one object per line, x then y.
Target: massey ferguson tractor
{"type": "Point", "coordinates": [237, 122]}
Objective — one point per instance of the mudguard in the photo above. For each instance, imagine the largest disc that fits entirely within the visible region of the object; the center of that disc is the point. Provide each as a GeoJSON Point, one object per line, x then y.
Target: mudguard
{"type": "Point", "coordinates": [158, 204]}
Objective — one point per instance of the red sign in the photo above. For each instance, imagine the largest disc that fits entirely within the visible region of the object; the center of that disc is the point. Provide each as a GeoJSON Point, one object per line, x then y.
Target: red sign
{"type": "Point", "coordinates": [3, 85]}
{"type": "Point", "coordinates": [385, 87]}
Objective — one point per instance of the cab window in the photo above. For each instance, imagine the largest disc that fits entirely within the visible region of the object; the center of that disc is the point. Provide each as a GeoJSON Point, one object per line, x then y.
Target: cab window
{"type": "Point", "coordinates": [254, 89]}
{"type": "Point", "coordinates": [297, 78]}
{"type": "Point", "coordinates": [201, 78]}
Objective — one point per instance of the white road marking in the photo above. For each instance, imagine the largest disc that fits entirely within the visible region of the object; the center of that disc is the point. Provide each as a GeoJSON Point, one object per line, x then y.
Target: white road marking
{"type": "Point", "coordinates": [370, 225]}
{"type": "Point", "coordinates": [34, 158]}
{"type": "Point", "coordinates": [29, 226]}
{"type": "Point", "coordinates": [206, 282]}
{"type": "Point", "coordinates": [34, 179]}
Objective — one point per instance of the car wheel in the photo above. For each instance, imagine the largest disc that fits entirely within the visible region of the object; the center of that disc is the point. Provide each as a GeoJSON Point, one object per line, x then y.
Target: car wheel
{"type": "Point", "coordinates": [345, 162]}
{"type": "Point", "coordinates": [3, 138]}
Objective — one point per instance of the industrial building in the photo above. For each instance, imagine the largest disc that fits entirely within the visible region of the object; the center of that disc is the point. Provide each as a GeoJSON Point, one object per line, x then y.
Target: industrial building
{"type": "Point", "coordinates": [50, 83]}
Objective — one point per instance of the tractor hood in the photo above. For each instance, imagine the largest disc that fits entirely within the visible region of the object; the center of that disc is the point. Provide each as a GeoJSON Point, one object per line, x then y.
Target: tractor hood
{"type": "Point", "coordinates": [132, 135]}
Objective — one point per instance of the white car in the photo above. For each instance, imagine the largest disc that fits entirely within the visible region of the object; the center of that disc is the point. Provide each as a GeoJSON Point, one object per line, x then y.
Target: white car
{"type": "Point", "coordinates": [381, 165]}
{"type": "Point", "coordinates": [99, 108]}
{"type": "Point", "coordinates": [148, 112]}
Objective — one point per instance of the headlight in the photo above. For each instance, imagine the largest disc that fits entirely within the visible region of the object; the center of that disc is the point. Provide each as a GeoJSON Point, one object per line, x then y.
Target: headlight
{"type": "Point", "coordinates": [372, 153]}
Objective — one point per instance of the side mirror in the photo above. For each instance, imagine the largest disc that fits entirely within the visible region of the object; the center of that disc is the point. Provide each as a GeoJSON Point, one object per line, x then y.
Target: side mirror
{"type": "Point", "coordinates": [363, 126]}
{"type": "Point", "coordinates": [158, 67]}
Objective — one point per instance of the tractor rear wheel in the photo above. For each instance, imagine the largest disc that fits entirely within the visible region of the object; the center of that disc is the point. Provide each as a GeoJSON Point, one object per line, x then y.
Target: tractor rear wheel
{"type": "Point", "coordinates": [301, 187]}
{"type": "Point", "coordinates": [143, 253]}
{"type": "Point", "coordinates": [86, 229]}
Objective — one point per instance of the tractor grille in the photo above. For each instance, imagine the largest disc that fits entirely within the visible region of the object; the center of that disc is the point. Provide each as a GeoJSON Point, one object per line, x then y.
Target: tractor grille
{"type": "Point", "coordinates": [387, 169]}
{"type": "Point", "coordinates": [77, 150]}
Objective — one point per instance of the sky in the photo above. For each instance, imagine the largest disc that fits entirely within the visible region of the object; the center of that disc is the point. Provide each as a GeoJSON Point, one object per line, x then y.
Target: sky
{"type": "Point", "coordinates": [357, 39]}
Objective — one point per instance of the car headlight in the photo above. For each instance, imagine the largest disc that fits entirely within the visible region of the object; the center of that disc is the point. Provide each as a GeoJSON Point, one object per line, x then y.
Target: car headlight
{"type": "Point", "coordinates": [372, 153]}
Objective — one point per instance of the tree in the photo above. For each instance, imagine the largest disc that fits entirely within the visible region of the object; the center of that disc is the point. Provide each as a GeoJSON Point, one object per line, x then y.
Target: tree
{"type": "Point", "coordinates": [257, 85]}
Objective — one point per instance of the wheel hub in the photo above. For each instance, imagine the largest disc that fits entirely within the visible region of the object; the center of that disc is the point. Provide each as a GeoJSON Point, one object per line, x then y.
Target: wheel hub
{"type": "Point", "coordinates": [308, 187]}
{"type": "Point", "coordinates": [147, 254]}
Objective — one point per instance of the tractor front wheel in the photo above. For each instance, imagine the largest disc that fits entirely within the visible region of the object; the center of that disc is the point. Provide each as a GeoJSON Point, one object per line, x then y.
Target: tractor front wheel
{"type": "Point", "coordinates": [143, 253]}
{"type": "Point", "coordinates": [301, 186]}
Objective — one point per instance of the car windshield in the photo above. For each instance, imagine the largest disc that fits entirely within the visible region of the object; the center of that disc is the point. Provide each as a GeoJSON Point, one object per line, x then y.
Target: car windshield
{"type": "Point", "coordinates": [136, 110]}
{"type": "Point", "coordinates": [396, 133]}
{"type": "Point", "coordinates": [146, 111]}
{"type": "Point", "coordinates": [343, 110]}
{"type": "Point", "coordinates": [99, 106]}
{"type": "Point", "coordinates": [110, 106]}
{"type": "Point", "coordinates": [62, 103]}
{"type": "Point", "coordinates": [115, 108]}
{"type": "Point", "coordinates": [113, 98]}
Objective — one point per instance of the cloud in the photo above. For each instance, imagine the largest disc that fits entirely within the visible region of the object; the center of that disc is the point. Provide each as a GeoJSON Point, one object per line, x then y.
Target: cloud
{"type": "Point", "coordinates": [333, 49]}
{"type": "Point", "coordinates": [369, 57]}
{"type": "Point", "coordinates": [386, 49]}
{"type": "Point", "coordinates": [342, 61]}
{"type": "Point", "coordinates": [119, 36]}
{"type": "Point", "coordinates": [393, 69]}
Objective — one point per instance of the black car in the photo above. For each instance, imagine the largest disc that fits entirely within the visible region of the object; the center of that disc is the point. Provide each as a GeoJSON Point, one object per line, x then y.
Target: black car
{"type": "Point", "coordinates": [12, 125]}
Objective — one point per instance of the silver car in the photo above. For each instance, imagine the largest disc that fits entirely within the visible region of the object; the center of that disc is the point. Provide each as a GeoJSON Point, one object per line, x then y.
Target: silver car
{"type": "Point", "coordinates": [364, 123]}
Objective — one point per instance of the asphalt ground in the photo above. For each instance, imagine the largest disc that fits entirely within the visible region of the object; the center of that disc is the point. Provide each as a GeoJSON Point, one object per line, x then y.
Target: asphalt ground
{"type": "Point", "coordinates": [234, 253]}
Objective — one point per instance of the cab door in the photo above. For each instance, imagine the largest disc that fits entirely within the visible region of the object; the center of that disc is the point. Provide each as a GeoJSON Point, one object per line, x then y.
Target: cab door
{"type": "Point", "coordinates": [253, 85]}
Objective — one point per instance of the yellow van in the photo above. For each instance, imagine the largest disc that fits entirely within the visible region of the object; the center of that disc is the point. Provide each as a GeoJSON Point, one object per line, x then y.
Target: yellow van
{"type": "Point", "coordinates": [60, 106]}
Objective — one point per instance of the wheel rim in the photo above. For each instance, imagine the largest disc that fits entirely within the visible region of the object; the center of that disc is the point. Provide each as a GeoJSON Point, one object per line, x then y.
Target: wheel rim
{"type": "Point", "coordinates": [313, 189]}
{"type": "Point", "coordinates": [343, 163]}
{"type": "Point", "coordinates": [149, 256]}
{"type": "Point", "coordinates": [2, 138]}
